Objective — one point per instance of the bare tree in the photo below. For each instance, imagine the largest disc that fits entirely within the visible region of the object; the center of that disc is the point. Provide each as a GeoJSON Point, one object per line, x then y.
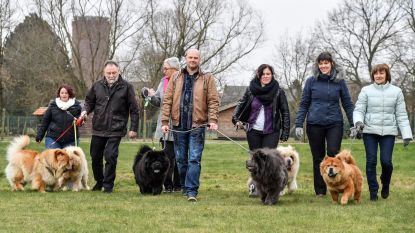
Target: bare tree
{"type": "Point", "coordinates": [6, 13]}
{"type": "Point", "coordinates": [294, 61]}
{"type": "Point", "coordinates": [105, 25]}
{"type": "Point", "coordinates": [224, 32]}
{"type": "Point", "coordinates": [360, 33]}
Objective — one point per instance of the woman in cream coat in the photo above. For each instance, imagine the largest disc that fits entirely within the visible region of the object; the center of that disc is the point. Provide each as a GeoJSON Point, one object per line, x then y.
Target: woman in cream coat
{"type": "Point", "coordinates": [379, 111]}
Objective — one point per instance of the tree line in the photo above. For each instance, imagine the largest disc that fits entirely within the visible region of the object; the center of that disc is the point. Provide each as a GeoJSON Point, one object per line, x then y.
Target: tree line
{"type": "Point", "coordinates": [39, 53]}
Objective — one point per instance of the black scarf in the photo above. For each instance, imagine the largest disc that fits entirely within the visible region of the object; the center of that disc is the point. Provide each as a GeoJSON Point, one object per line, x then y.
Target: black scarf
{"type": "Point", "coordinates": [266, 93]}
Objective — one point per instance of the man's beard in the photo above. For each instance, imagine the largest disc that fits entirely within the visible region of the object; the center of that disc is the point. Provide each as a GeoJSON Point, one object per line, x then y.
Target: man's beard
{"type": "Point", "coordinates": [111, 81]}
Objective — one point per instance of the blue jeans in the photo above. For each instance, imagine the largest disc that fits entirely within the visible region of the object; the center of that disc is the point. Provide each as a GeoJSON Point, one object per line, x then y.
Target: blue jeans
{"type": "Point", "coordinates": [188, 148]}
{"type": "Point", "coordinates": [49, 143]}
{"type": "Point", "coordinates": [386, 144]}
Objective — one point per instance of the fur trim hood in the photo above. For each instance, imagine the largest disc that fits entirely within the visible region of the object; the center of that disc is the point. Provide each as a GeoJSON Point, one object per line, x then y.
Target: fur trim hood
{"type": "Point", "coordinates": [337, 73]}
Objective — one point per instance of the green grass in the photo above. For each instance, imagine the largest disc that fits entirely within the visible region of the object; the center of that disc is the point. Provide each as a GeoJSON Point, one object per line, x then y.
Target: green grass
{"type": "Point", "coordinates": [223, 204]}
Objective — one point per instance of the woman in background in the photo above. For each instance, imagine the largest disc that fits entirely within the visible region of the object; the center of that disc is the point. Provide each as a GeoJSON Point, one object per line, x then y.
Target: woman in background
{"type": "Point", "coordinates": [59, 116]}
{"type": "Point", "coordinates": [172, 182]}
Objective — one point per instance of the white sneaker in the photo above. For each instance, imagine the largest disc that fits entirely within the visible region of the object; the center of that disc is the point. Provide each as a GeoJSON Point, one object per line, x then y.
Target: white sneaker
{"type": "Point", "coordinates": [192, 199]}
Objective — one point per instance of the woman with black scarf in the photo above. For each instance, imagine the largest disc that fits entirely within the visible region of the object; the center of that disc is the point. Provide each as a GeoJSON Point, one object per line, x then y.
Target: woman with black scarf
{"type": "Point", "coordinates": [263, 110]}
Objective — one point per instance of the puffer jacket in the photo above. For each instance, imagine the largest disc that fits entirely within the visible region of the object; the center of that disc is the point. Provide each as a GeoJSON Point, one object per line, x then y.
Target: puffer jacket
{"type": "Point", "coordinates": [112, 107]}
{"type": "Point", "coordinates": [205, 103]}
{"type": "Point", "coordinates": [56, 121]}
{"type": "Point", "coordinates": [280, 111]}
{"type": "Point", "coordinates": [320, 101]}
{"type": "Point", "coordinates": [382, 110]}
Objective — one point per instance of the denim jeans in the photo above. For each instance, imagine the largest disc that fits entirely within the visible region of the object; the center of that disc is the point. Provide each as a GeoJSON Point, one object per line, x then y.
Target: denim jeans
{"type": "Point", "coordinates": [51, 144]}
{"type": "Point", "coordinates": [318, 137]}
{"type": "Point", "coordinates": [386, 143]}
{"type": "Point", "coordinates": [188, 148]}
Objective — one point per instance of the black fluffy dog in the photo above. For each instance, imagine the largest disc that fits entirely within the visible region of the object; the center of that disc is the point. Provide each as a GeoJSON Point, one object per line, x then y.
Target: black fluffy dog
{"type": "Point", "coordinates": [268, 170]}
{"type": "Point", "coordinates": [150, 169]}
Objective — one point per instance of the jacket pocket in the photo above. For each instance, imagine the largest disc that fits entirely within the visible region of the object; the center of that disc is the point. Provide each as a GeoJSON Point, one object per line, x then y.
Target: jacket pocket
{"type": "Point", "coordinates": [118, 123]}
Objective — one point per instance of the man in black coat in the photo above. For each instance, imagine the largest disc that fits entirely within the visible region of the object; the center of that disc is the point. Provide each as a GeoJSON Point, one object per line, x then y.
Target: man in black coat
{"type": "Point", "coordinates": [113, 100]}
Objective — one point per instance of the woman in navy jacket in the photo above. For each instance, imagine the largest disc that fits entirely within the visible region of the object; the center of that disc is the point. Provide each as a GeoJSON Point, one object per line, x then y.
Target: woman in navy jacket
{"type": "Point", "coordinates": [320, 104]}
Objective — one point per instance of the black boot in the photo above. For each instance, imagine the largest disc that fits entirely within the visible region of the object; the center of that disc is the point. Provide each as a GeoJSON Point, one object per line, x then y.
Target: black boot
{"type": "Point", "coordinates": [385, 191]}
{"type": "Point", "coordinates": [373, 195]}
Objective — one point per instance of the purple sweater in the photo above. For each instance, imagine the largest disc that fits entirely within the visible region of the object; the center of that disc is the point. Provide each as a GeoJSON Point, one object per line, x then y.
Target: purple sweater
{"type": "Point", "coordinates": [253, 115]}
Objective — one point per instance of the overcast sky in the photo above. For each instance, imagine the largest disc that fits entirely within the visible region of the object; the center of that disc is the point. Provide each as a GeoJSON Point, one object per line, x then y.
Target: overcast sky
{"type": "Point", "coordinates": [282, 17]}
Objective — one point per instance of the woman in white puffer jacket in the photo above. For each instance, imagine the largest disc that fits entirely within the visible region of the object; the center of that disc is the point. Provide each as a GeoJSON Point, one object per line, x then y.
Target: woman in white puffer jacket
{"type": "Point", "coordinates": [379, 111]}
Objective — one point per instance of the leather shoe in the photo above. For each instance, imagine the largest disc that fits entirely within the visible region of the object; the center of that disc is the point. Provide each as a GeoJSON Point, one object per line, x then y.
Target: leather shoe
{"type": "Point", "coordinates": [97, 187]}
{"type": "Point", "coordinates": [107, 190]}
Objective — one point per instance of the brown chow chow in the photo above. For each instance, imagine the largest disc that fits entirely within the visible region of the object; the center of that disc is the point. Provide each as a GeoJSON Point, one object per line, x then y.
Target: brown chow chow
{"type": "Point", "coordinates": [41, 169]}
{"type": "Point", "coordinates": [341, 175]}
{"type": "Point", "coordinates": [75, 179]}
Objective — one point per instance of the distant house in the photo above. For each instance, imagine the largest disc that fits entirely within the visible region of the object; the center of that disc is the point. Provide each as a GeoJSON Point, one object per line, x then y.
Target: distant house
{"type": "Point", "coordinates": [229, 100]}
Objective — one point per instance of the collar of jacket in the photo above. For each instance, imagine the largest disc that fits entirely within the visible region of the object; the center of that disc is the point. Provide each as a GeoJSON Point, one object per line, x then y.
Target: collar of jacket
{"type": "Point", "coordinates": [118, 82]}
{"type": "Point", "coordinates": [336, 75]}
{"type": "Point", "coordinates": [197, 73]}
{"type": "Point", "coordinates": [381, 86]}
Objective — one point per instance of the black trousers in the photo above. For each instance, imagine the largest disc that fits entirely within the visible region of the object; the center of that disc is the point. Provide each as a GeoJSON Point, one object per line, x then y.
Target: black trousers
{"type": "Point", "coordinates": [173, 179]}
{"type": "Point", "coordinates": [318, 136]}
{"type": "Point", "coordinates": [256, 139]}
{"type": "Point", "coordinates": [104, 147]}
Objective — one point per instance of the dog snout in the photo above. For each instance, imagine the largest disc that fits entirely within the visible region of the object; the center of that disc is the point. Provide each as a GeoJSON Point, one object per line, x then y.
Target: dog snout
{"type": "Point", "coordinates": [332, 173]}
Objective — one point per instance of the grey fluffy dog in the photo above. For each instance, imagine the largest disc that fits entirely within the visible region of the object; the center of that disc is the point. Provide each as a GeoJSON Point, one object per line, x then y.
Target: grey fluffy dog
{"type": "Point", "coordinates": [269, 173]}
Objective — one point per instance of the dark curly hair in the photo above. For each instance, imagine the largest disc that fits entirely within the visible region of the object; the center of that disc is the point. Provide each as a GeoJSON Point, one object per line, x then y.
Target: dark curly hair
{"type": "Point", "coordinates": [68, 88]}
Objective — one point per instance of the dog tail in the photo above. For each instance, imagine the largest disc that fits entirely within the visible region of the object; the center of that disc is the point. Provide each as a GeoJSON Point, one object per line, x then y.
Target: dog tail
{"type": "Point", "coordinates": [18, 143]}
{"type": "Point", "coordinates": [347, 157]}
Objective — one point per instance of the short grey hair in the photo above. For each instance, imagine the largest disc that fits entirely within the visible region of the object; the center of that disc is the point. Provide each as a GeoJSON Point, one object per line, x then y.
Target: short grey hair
{"type": "Point", "coordinates": [173, 62]}
{"type": "Point", "coordinates": [111, 62]}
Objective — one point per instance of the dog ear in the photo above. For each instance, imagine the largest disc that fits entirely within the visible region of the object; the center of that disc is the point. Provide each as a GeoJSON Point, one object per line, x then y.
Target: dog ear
{"type": "Point", "coordinates": [325, 157]}
{"type": "Point", "coordinates": [59, 154]}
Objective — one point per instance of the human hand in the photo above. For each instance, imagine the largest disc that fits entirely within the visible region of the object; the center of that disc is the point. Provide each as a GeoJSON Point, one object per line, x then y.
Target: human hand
{"type": "Point", "coordinates": [239, 125]}
{"type": "Point", "coordinates": [165, 129]}
{"type": "Point", "coordinates": [284, 138]}
{"type": "Point", "coordinates": [151, 92]}
{"type": "Point", "coordinates": [83, 115]}
{"type": "Point", "coordinates": [299, 132]}
{"type": "Point", "coordinates": [213, 126]}
{"type": "Point", "coordinates": [132, 134]}
{"type": "Point", "coordinates": [356, 131]}
{"type": "Point", "coordinates": [406, 142]}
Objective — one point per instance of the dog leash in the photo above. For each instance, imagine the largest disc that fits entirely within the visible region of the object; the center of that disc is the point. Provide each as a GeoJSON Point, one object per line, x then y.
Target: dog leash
{"type": "Point", "coordinates": [74, 124]}
{"type": "Point", "coordinates": [204, 125]}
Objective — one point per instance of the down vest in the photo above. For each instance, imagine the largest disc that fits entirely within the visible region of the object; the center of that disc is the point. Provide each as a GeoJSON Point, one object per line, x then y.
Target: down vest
{"type": "Point", "coordinates": [382, 109]}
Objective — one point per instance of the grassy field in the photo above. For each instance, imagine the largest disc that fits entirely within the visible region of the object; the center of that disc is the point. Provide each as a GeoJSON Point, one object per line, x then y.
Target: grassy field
{"type": "Point", "coordinates": [223, 205]}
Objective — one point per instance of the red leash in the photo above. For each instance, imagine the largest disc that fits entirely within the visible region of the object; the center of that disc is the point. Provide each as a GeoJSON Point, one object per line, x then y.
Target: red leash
{"type": "Point", "coordinates": [63, 133]}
